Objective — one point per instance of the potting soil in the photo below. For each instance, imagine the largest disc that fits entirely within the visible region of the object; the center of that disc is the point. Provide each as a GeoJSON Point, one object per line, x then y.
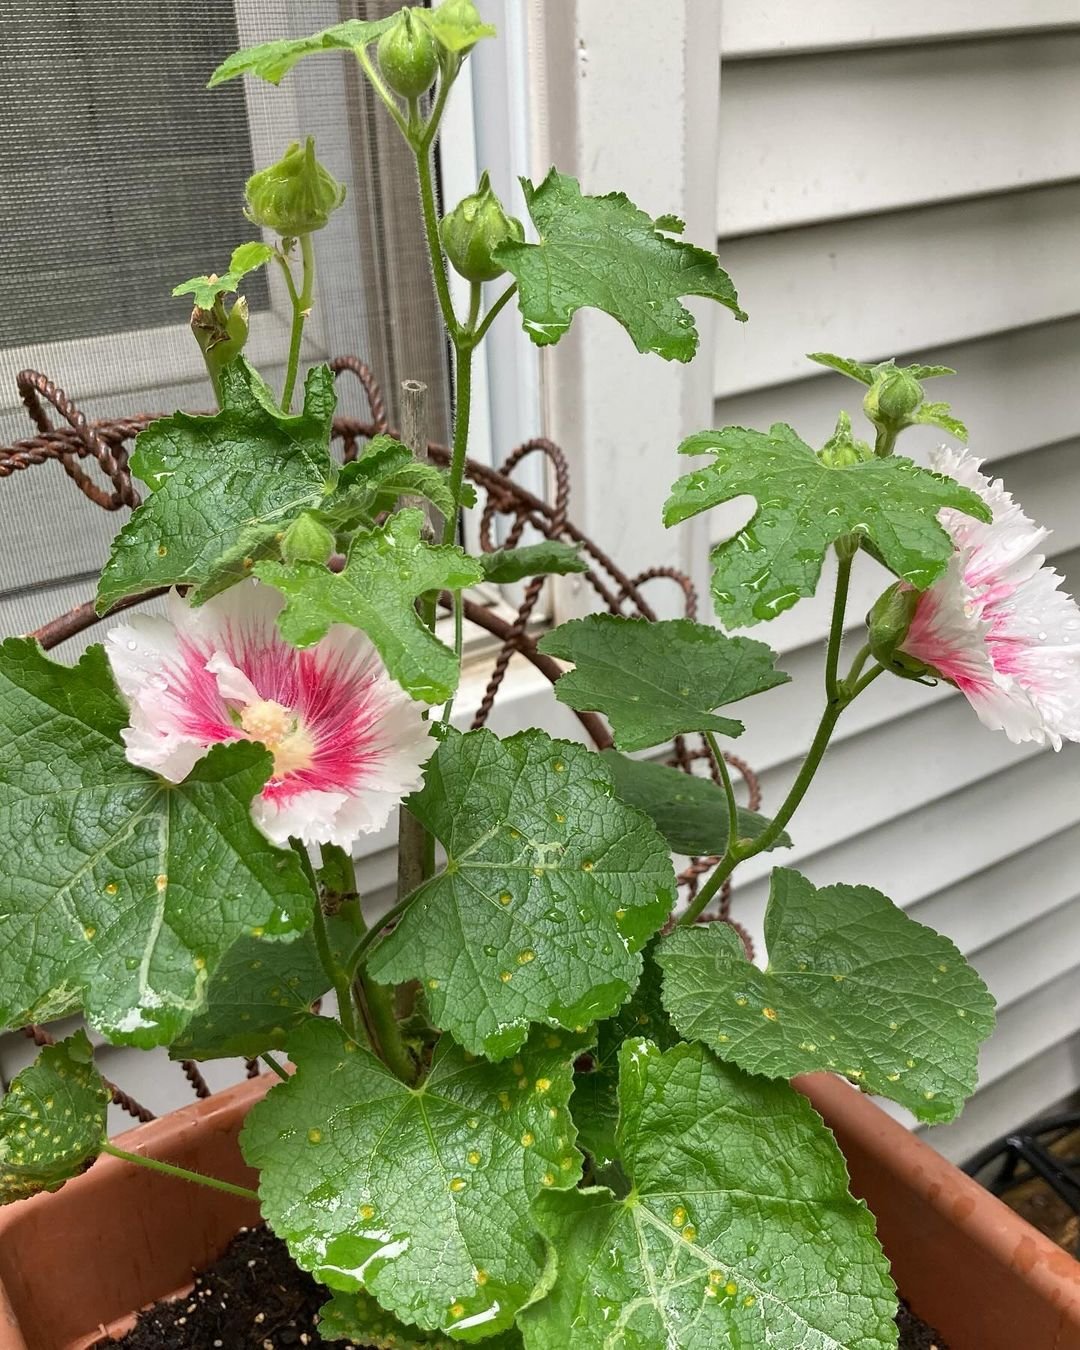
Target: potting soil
{"type": "Point", "coordinates": [255, 1298]}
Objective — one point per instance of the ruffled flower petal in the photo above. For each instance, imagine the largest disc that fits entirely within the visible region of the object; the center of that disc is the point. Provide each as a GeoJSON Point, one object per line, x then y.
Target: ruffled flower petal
{"type": "Point", "coordinates": [996, 624]}
{"type": "Point", "coordinates": [348, 743]}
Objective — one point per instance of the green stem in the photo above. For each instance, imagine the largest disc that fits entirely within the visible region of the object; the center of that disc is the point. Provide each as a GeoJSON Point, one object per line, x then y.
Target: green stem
{"type": "Point", "coordinates": [179, 1172]}
{"type": "Point", "coordinates": [271, 1063]}
{"type": "Point", "coordinates": [395, 912]}
{"type": "Point", "coordinates": [839, 695]}
{"type": "Point", "coordinates": [836, 628]}
{"type": "Point", "coordinates": [868, 678]}
{"type": "Point", "coordinates": [462, 404]}
{"type": "Point", "coordinates": [301, 307]}
{"type": "Point", "coordinates": [446, 81]}
{"type": "Point", "coordinates": [381, 90]}
{"type": "Point", "coordinates": [492, 314]}
{"type": "Point", "coordinates": [336, 973]}
{"type": "Point", "coordinates": [729, 789]}
{"type": "Point", "coordinates": [885, 441]}
{"type": "Point", "coordinates": [378, 1000]}
{"type": "Point", "coordinates": [434, 244]}
{"type": "Point", "coordinates": [861, 658]}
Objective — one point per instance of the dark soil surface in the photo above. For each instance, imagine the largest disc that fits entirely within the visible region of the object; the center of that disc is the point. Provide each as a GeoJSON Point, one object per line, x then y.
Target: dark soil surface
{"type": "Point", "coordinates": [254, 1298]}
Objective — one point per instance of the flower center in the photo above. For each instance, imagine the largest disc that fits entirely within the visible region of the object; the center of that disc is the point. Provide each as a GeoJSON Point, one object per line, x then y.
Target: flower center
{"type": "Point", "coordinates": [280, 731]}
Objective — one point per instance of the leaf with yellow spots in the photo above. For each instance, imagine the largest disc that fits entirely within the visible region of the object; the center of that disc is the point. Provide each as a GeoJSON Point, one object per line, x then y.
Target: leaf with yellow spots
{"type": "Point", "coordinates": [737, 1228]}
{"type": "Point", "coordinates": [357, 1318]}
{"type": "Point", "coordinates": [121, 892]}
{"type": "Point", "coordinates": [421, 1196]}
{"type": "Point", "coordinates": [852, 986]}
{"type": "Point", "coordinates": [550, 889]}
{"type": "Point", "coordinates": [52, 1120]}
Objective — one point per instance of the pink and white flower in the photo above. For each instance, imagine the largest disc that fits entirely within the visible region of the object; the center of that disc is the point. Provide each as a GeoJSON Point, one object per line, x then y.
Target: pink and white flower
{"type": "Point", "coordinates": [996, 625]}
{"type": "Point", "coordinates": [348, 743]}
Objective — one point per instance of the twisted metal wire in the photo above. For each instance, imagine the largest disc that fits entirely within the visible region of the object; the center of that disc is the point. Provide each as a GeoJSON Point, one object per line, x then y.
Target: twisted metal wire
{"type": "Point", "coordinates": [76, 440]}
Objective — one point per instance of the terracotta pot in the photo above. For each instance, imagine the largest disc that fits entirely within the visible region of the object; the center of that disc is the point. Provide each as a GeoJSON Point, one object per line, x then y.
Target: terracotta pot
{"type": "Point", "coordinates": [73, 1265]}
{"type": "Point", "coordinates": [78, 1263]}
{"type": "Point", "coordinates": [977, 1272]}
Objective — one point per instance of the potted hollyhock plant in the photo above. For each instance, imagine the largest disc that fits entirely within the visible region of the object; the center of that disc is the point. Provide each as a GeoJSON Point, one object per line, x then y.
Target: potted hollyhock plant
{"type": "Point", "coordinates": [542, 1108]}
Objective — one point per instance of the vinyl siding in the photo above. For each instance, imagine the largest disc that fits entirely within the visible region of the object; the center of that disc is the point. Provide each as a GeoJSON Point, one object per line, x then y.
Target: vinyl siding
{"type": "Point", "coordinates": [908, 184]}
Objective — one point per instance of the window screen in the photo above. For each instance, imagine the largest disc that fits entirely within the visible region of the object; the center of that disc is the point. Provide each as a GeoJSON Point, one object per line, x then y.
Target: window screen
{"type": "Point", "coordinates": [121, 175]}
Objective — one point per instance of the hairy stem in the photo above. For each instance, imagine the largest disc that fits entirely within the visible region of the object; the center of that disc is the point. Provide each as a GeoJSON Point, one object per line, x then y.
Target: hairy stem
{"type": "Point", "coordinates": [301, 308]}
{"type": "Point", "coordinates": [181, 1173]}
{"type": "Point", "coordinates": [434, 244]}
{"type": "Point", "coordinates": [489, 318]}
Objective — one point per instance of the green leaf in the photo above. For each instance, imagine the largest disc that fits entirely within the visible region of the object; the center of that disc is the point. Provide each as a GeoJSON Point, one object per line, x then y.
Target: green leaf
{"type": "Point", "coordinates": [656, 680]}
{"type": "Point", "coordinates": [376, 590]}
{"type": "Point", "coordinates": [223, 489]}
{"type": "Point", "coordinates": [550, 889]}
{"type": "Point", "coordinates": [603, 253]}
{"type": "Point", "coordinates": [259, 994]}
{"type": "Point", "coordinates": [272, 60]}
{"type": "Point", "coordinates": [245, 258]}
{"type": "Point", "coordinates": [804, 505]}
{"type": "Point", "coordinates": [739, 1229]}
{"type": "Point", "coordinates": [596, 1091]}
{"type": "Point", "coordinates": [857, 370]}
{"type": "Point", "coordinates": [118, 889]}
{"type": "Point", "coordinates": [865, 374]}
{"type": "Point", "coordinates": [359, 1319]}
{"type": "Point", "coordinates": [938, 415]}
{"type": "Point", "coordinates": [456, 27]}
{"type": "Point", "coordinates": [52, 1120]}
{"type": "Point", "coordinates": [386, 471]}
{"type": "Point", "coordinates": [853, 985]}
{"type": "Point", "coordinates": [550, 557]}
{"type": "Point", "coordinates": [419, 1195]}
{"type": "Point", "coordinates": [689, 811]}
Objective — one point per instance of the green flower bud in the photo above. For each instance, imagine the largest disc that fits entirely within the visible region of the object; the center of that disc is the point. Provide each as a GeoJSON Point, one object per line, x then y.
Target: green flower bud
{"type": "Point", "coordinates": [893, 398]}
{"type": "Point", "coordinates": [888, 622]}
{"type": "Point", "coordinates": [458, 27]}
{"type": "Point", "coordinates": [307, 540]}
{"type": "Point", "coordinates": [842, 449]}
{"type": "Point", "coordinates": [474, 229]}
{"type": "Point", "coordinates": [294, 196]}
{"type": "Point", "coordinates": [408, 56]}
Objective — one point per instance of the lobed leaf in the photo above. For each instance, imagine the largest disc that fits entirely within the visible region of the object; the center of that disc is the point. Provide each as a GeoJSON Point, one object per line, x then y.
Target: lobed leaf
{"type": "Point", "coordinates": [657, 680]}
{"type": "Point", "coordinates": [689, 811]}
{"type": "Point", "coordinates": [803, 506]}
{"type": "Point", "coordinates": [271, 61]}
{"type": "Point", "coordinates": [550, 557]}
{"type": "Point", "coordinates": [852, 985]}
{"type": "Point", "coordinates": [52, 1120]}
{"type": "Point", "coordinates": [419, 1195]}
{"type": "Point", "coordinates": [604, 253]}
{"type": "Point", "coordinates": [223, 489]}
{"type": "Point", "coordinates": [122, 892]}
{"type": "Point", "coordinates": [596, 1089]}
{"type": "Point", "coordinates": [384, 574]}
{"type": "Point", "coordinates": [246, 258]}
{"type": "Point", "coordinates": [260, 993]}
{"type": "Point", "coordinates": [550, 889]}
{"type": "Point", "coordinates": [738, 1230]}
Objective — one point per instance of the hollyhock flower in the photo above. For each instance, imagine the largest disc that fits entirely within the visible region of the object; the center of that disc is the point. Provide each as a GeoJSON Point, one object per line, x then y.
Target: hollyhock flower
{"type": "Point", "coordinates": [347, 742]}
{"type": "Point", "coordinates": [996, 625]}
